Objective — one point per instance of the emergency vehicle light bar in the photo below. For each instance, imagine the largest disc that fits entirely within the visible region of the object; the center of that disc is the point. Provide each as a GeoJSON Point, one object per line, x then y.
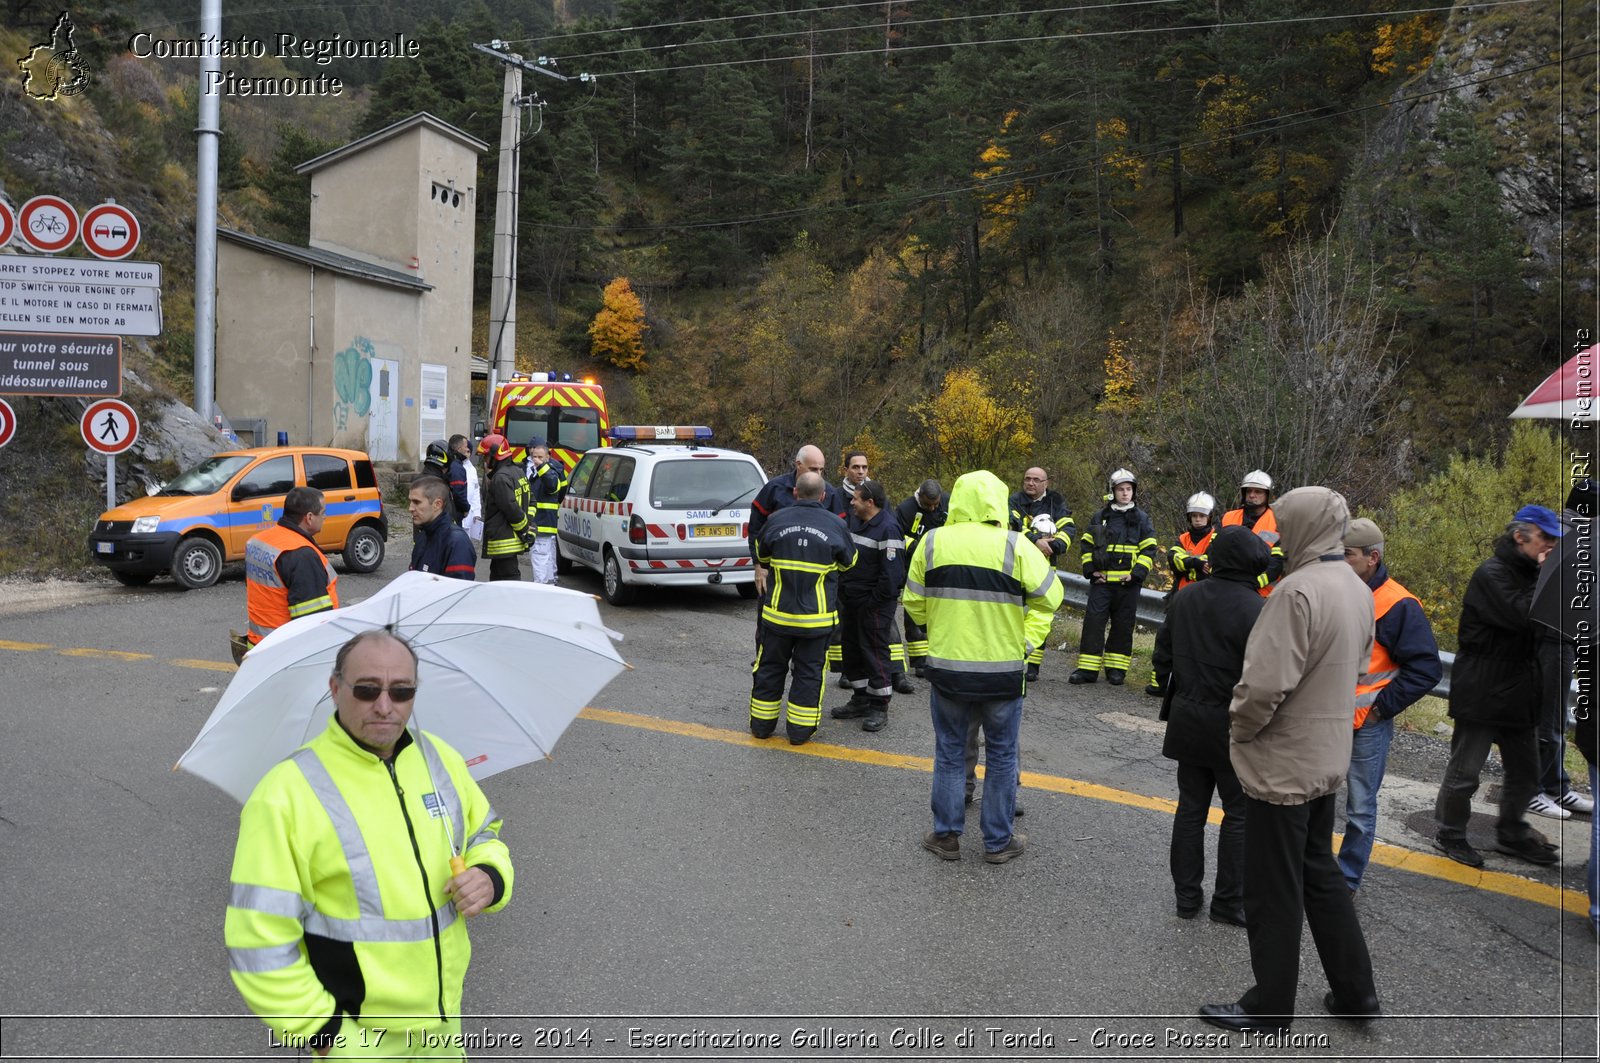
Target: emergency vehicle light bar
{"type": "Point", "coordinates": [660, 432]}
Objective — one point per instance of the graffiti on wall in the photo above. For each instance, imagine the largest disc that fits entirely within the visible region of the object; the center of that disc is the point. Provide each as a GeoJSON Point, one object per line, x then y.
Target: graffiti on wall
{"type": "Point", "coordinates": [352, 382]}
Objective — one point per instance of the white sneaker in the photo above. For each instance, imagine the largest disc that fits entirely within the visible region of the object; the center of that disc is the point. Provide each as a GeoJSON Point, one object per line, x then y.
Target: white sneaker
{"type": "Point", "coordinates": [1543, 805]}
{"type": "Point", "coordinates": [1573, 801]}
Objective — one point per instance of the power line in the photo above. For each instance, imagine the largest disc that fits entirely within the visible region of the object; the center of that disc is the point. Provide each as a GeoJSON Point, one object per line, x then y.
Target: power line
{"type": "Point", "coordinates": [1040, 38]}
{"type": "Point", "coordinates": [866, 26]}
{"type": "Point", "coordinates": [705, 21]}
{"type": "Point", "coordinates": [1033, 178]}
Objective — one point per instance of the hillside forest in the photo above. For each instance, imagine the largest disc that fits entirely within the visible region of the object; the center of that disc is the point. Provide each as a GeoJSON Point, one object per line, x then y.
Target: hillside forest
{"type": "Point", "coordinates": [1338, 241]}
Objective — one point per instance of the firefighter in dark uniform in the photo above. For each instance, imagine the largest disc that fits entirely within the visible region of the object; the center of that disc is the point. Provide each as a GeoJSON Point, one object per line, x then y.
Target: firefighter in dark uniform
{"type": "Point", "coordinates": [1119, 547]}
{"type": "Point", "coordinates": [1045, 519]}
{"type": "Point", "coordinates": [1189, 559]}
{"type": "Point", "coordinates": [507, 533]}
{"type": "Point", "coordinates": [779, 492]}
{"type": "Point", "coordinates": [927, 509]}
{"type": "Point", "coordinates": [869, 594]}
{"type": "Point", "coordinates": [805, 547]}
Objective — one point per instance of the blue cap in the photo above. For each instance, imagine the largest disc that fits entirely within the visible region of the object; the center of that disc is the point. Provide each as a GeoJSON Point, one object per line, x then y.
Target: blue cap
{"type": "Point", "coordinates": [1540, 518]}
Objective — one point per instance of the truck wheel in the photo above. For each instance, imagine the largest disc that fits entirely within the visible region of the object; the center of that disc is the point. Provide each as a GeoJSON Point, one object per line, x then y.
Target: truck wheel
{"type": "Point", "coordinates": [196, 563]}
{"type": "Point", "coordinates": [616, 591]}
{"type": "Point", "coordinates": [363, 550]}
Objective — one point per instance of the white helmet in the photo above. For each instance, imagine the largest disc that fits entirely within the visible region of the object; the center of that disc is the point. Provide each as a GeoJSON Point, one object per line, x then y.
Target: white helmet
{"type": "Point", "coordinates": [1043, 525]}
{"type": "Point", "coordinates": [1123, 476]}
{"type": "Point", "coordinates": [1200, 502]}
{"type": "Point", "coordinates": [1258, 478]}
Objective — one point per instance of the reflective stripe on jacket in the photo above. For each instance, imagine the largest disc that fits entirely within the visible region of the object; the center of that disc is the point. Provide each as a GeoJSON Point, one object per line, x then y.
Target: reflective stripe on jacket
{"type": "Point", "coordinates": [806, 547]}
{"type": "Point", "coordinates": [271, 600]}
{"type": "Point", "coordinates": [1188, 558]}
{"type": "Point", "coordinates": [985, 594]}
{"type": "Point", "coordinates": [544, 496]}
{"type": "Point", "coordinates": [505, 511]}
{"type": "Point", "coordinates": [337, 903]}
{"type": "Point", "coordinates": [1265, 526]}
{"type": "Point", "coordinates": [1121, 544]}
{"type": "Point", "coordinates": [1382, 669]}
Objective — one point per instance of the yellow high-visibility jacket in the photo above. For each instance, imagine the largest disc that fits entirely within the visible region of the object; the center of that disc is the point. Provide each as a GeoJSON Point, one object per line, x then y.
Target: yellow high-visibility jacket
{"type": "Point", "coordinates": [337, 909]}
{"type": "Point", "coordinates": [985, 594]}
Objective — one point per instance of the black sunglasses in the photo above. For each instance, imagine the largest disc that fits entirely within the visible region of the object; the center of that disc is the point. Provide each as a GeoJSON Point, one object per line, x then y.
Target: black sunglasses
{"type": "Point", "coordinates": [399, 693]}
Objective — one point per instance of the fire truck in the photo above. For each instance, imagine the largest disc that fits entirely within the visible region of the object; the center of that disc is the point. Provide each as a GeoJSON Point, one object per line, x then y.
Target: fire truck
{"type": "Point", "coordinates": [569, 415]}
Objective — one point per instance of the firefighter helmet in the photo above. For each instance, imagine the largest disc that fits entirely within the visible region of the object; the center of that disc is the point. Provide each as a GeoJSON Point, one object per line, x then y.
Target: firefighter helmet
{"type": "Point", "coordinates": [494, 447]}
{"type": "Point", "coordinates": [1044, 525]}
{"type": "Point", "coordinates": [1200, 502]}
{"type": "Point", "coordinates": [1258, 478]}
{"type": "Point", "coordinates": [437, 455]}
{"type": "Point", "coordinates": [1123, 476]}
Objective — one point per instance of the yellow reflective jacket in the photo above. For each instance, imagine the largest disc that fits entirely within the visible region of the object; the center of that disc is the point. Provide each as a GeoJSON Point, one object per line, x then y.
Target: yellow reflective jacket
{"type": "Point", "coordinates": [337, 905]}
{"type": "Point", "coordinates": [985, 594]}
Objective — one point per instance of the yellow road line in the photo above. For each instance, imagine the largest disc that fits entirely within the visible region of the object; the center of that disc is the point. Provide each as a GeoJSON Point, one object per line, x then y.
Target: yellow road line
{"type": "Point", "coordinates": [1419, 863]}
{"type": "Point", "coordinates": [115, 655]}
{"type": "Point", "coordinates": [214, 666]}
{"type": "Point", "coordinates": [6, 644]}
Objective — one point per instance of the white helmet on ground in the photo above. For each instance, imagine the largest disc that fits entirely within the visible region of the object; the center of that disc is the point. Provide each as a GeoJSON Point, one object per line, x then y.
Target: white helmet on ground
{"type": "Point", "coordinates": [1200, 502]}
{"type": "Point", "coordinates": [1044, 525]}
{"type": "Point", "coordinates": [1258, 478]}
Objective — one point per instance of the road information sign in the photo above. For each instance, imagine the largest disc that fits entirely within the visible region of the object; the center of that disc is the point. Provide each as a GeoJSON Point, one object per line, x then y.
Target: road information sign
{"type": "Point", "coordinates": [54, 364]}
{"type": "Point", "coordinates": [48, 223]}
{"type": "Point", "coordinates": [8, 422]}
{"type": "Point", "coordinates": [79, 271]}
{"type": "Point", "coordinates": [109, 426]}
{"type": "Point", "coordinates": [99, 308]}
{"type": "Point", "coordinates": [110, 231]}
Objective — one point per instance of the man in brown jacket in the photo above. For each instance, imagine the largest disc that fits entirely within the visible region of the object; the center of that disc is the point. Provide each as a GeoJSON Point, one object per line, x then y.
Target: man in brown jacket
{"type": "Point", "coordinates": [1290, 745]}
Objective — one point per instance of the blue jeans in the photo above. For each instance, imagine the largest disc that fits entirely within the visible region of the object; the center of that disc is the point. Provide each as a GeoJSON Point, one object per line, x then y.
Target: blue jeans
{"type": "Point", "coordinates": [1369, 756]}
{"type": "Point", "coordinates": [1001, 721]}
{"type": "Point", "coordinates": [1594, 854]}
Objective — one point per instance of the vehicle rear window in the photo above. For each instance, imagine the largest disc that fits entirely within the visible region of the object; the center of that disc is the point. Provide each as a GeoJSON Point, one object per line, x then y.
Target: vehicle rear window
{"type": "Point", "coordinates": [326, 472]}
{"type": "Point", "coordinates": [527, 423]}
{"type": "Point", "coordinates": [704, 483]}
{"type": "Point", "coordinates": [579, 428]}
{"type": "Point", "coordinates": [208, 477]}
{"type": "Point", "coordinates": [275, 476]}
{"type": "Point", "coordinates": [365, 475]}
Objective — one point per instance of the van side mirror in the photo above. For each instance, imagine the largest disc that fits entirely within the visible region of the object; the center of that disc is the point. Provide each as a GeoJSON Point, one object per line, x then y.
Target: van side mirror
{"type": "Point", "coordinates": [480, 429]}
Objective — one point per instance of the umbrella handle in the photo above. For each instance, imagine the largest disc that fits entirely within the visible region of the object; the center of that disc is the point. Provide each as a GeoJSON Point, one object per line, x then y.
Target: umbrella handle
{"type": "Point", "coordinates": [457, 865]}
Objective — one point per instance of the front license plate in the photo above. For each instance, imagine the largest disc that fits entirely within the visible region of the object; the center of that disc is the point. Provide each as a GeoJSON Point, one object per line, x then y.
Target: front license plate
{"type": "Point", "coordinates": [713, 531]}
{"type": "Point", "coordinates": [105, 548]}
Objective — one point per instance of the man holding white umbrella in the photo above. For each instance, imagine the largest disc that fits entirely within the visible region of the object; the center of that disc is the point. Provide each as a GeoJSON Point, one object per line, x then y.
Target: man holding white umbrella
{"type": "Point", "coordinates": [346, 923]}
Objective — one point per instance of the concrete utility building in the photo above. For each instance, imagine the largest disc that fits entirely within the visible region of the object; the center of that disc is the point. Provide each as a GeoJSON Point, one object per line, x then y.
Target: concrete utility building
{"type": "Point", "coordinates": [364, 338]}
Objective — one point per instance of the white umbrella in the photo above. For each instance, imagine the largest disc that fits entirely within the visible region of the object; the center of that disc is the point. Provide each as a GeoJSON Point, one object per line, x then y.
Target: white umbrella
{"type": "Point", "coordinates": [502, 669]}
{"type": "Point", "coordinates": [1568, 394]}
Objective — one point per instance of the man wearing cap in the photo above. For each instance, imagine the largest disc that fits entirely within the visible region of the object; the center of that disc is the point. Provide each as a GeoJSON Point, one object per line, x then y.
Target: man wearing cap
{"type": "Point", "coordinates": [1404, 666]}
{"type": "Point", "coordinates": [1494, 694]}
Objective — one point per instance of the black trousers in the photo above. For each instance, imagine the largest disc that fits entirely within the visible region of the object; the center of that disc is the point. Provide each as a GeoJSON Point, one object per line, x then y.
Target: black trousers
{"type": "Point", "coordinates": [916, 641]}
{"type": "Point", "coordinates": [865, 635]}
{"type": "Point", "coordinates": [504, 567]}
{"type": "Point", "coordinates": [1557, 658]}
{"type": "Point", "coordinates": [1291, 879]}
{"type": "Point", "coordinates": [1469, 748]}
{"type": "Point", "coordinates": [1118, 603]}
{"type": "Point", "coordinates": [1187, 855]}
{"type": "Point", "coordinates": [777, 652]}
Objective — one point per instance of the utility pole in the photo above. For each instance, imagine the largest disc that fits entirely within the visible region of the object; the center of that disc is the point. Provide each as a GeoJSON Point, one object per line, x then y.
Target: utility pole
{"type": "Point", "coordinates": [209, 131]}
{"type": "Point", "coordinates": [502, 351]}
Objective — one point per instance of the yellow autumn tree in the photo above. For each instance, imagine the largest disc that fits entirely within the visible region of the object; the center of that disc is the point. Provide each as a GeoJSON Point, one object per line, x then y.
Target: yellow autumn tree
{"type": "Point", "coordinates": [970, 429]}
{"type": "Point", "coordinates": [1121, 388]}
{"type": "Point", "coordinates": [617, 331]}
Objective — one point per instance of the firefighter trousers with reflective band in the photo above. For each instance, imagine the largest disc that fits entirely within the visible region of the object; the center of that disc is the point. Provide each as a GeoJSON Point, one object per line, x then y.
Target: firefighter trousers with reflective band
{"type": "Point", "coordinates": [1119, 604]}
{"type": "Point", "coordinates": [917, 642]}
{"type": "Point", "coordinates": [897, 651]}
{"type": "Point", "coordinates": [774, 657]}
{"type": "Point", "coordinates": [867, 634]}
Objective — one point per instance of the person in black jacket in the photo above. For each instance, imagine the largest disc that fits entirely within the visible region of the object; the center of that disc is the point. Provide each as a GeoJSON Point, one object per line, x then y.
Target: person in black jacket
{"type": "Point", "coordinates": [927, 509]}
{"type": "Point", "coordinates": [1119, 546]}
{"type": "Point", "coordinates": [439, 544]}
{"type": "Point", "coordinates": [1199, 656]}
{"type": "Point", "coordinates": [1045, 519]}
{"type": "Point", "coordinates": [1586, 736]}
{"type": "Point", "coordinates": [1494, 694]}
{"type": "Point", "coordinates": [868, 594]}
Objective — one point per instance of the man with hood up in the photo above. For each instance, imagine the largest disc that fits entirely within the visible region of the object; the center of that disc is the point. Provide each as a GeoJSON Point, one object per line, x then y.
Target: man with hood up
{"type": "Point", "coordinates": [986, 596]}
{"type": "Point", "coordinates": [1198, 657]}
{"type": "Point", "coordinates": [1290, 745]}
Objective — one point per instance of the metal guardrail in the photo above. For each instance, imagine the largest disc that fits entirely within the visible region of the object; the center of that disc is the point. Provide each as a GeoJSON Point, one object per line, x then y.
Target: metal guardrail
{"type": "Point", "coordinates": [1152, 612]}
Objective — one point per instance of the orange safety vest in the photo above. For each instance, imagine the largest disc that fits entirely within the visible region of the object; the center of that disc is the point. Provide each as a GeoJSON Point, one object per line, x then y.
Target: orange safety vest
{"type": "Point", "coordinates": [1266, 530]}
{"type": "Point", "coordinates": [266, 597]}
{"type": "Point", "coordinates": [1382, 668]}
{"type": "Point", "coordinates": [1188, 545]}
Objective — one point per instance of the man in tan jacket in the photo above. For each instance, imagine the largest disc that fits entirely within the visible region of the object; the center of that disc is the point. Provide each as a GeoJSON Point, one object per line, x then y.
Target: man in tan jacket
{"type": "Point", "coordinates": [1290, 745]}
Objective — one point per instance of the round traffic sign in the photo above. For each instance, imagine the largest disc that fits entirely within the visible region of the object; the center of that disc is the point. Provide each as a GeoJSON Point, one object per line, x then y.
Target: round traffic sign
{"type": "Point", "coordinates": [110, 231]}
{"type": "Point", "coordinates": [109, 426]}
{"type": "Point", "coordinates": [8, 422]}
{"type": "Point", "coordinates": [48, 223]}
{"type": "Point", "coordinates": [8, 225]}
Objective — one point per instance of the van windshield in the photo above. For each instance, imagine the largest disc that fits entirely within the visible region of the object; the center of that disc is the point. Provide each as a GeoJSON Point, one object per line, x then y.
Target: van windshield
{"type": "Point", "coordinates": [208, 477]}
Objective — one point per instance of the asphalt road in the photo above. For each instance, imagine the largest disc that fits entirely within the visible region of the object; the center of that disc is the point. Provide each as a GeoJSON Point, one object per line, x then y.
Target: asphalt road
{"type": "Point", "coordinates": [684, 891]}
